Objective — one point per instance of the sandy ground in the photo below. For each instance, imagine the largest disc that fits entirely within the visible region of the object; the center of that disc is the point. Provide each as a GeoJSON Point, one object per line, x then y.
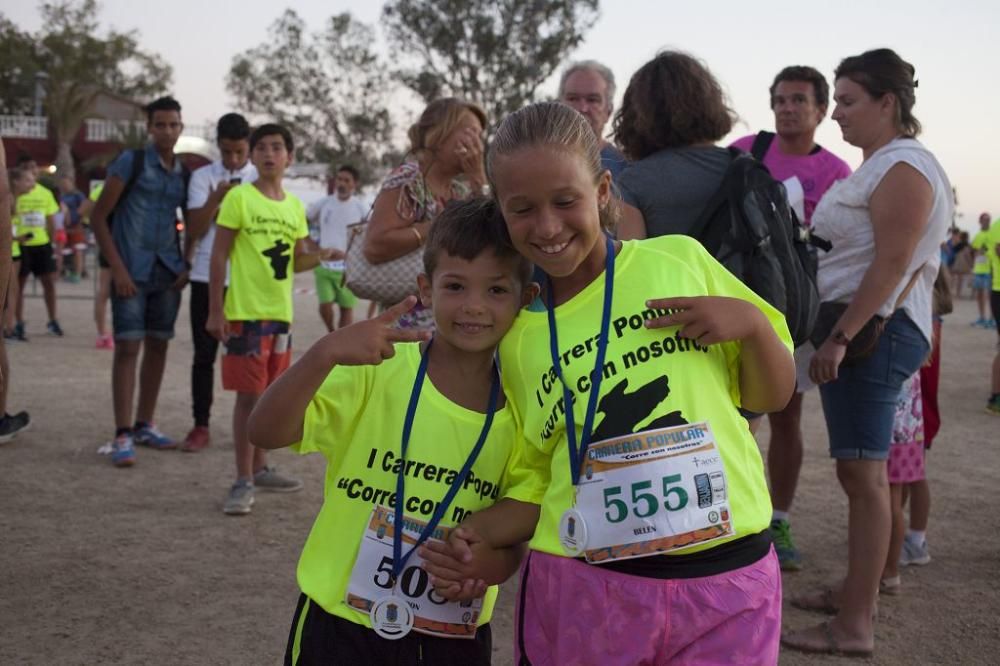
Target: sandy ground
{"type": "Point", "coordinates": [107, 566]}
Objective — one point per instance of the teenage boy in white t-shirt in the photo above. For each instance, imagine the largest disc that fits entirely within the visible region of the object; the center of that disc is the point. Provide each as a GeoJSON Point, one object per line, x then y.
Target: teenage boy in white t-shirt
{"type": "Point", "coordinates": [206, 190]}
{"type": "Point", "coordinates": [331, 215]}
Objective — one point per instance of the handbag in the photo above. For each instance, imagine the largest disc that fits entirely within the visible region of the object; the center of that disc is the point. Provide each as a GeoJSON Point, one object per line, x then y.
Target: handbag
{"type": "Point", "coordinates": [865, 341]}
{"type": "Point", "coordinates": [386, 283]}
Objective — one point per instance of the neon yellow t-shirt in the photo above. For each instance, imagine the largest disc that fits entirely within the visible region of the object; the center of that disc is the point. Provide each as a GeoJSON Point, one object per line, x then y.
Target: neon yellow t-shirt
{"type": "Point", "coordinates": [262, 256]}
{"type": "Point", "coordinates": [32, 208]}
{"type": "Point", "coordinates": [992, 240]}
{"type": "Point", "coordinates": [15, 247]}
{"type": "Point", "coordinates": [356, 421]}
{"type": "Point", "coordinates": [648, 374]}
{"type": "Point", "coordinates": [984, 253]}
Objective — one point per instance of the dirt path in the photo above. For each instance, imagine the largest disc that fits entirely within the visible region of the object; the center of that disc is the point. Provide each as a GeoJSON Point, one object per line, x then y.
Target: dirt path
{"type": "Point", "coordinates": [105, 566]}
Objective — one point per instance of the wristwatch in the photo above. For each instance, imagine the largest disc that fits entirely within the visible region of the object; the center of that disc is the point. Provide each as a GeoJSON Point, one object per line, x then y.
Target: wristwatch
{"type": "Point", "coordinates": [838, 337]}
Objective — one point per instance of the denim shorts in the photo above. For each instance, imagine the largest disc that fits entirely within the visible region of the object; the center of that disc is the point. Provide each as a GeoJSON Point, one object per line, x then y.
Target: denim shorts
{"type": "Point", "coordinates": [860, 405]}
{"type": "Point", "coordinates": [151, 312]}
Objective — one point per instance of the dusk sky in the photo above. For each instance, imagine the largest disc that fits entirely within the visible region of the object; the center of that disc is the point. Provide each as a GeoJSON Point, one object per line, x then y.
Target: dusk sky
{"type": "Point", "coordinates": [744, 44]}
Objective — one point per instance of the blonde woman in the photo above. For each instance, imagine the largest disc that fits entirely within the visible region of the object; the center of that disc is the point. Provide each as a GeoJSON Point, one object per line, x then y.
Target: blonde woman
{"type": "Point", "coordinates": [445, 163]}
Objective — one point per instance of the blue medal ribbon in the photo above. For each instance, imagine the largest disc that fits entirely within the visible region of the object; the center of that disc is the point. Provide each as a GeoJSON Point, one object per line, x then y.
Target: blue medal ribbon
{"type": "Point", "coordinates": [577, 452]}
{"type": "Point", "coordinates": [398, 558]}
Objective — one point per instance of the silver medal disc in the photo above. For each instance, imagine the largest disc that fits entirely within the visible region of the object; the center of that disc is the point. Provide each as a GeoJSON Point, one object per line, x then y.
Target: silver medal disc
{"type": "Point", "coordinates": [573, 533]}
{"type": "Point", "coordinates": [391, 617]}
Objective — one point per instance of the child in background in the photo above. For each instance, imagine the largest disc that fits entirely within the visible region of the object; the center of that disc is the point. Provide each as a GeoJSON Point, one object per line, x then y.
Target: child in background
{"type": "Point", "coordinates": [905, 466]}
{"type": "Point", "coordinates": [651, 544]}
{"type": "Point", "coordinates": [918, 493]}
{"type": "Point", "coordinates": [11, 331]}
{"type": "Point", "coordinates": [354, 397]}
{"type": "Point", "coordinates": [36, 210]}
{"type": "Point", "coordinates": [76, 240]}
{"type": "Point", "coordinates": [104, 338]}
{"type": "Point", "coordinates": [259, 230]}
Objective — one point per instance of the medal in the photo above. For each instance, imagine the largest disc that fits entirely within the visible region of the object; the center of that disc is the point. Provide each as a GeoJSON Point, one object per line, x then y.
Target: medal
{"type": "Point", "coordinates": [391, 617]}
{"type": "Point", "coordinates": [573, 533]}
{"type": "Point", "coordinates": [572, 527]}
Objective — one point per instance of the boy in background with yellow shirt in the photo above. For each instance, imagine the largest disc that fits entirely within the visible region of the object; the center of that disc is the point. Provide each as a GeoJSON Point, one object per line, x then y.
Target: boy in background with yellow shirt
{"type": "Point", "coordinates": [420, 428]}
{"type": "Point", "coordinates": [260, 231]}
{"type": "Point", "coordinates": [35, 208]}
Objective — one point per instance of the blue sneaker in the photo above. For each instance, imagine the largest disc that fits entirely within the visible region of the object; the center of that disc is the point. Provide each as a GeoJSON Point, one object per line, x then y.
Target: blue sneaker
{"type": "Point", "coordinates": [150, 436]}
{"type": "Point", "coordinates": [123, 451]}
{"type": "Point", "coordinates": [54, 328]}
{"type": "Point", "coordinates": [789, 557]}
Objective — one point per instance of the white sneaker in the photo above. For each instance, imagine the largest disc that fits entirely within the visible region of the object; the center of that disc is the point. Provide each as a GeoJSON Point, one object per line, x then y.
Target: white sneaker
{"type": "Point", "coordinates": [240, 499]}
{"type": "Point", "coordinates": [915, 554]}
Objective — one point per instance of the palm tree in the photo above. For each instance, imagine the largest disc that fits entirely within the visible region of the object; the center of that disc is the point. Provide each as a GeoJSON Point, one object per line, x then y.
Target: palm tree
{"type": "Point", "coordinates": [81, 64]}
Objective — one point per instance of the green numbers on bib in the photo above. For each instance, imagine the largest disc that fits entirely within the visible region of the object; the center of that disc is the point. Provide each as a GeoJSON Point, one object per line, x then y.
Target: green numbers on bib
{"type": "Point", "coordinates": [677, 492]}
{"type": "Point", "coordinates": [644, 503]}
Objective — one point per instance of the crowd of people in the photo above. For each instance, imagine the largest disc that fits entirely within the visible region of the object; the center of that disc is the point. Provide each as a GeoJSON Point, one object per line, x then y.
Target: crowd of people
{"type": "Point", "coordinates": [571, 261]}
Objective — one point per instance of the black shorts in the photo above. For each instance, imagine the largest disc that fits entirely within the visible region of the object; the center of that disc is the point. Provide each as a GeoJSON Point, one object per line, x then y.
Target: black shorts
{"type": "Point", "coordinates": [330, 640]}
{"type": "Point", "coordinates": [38, 260]}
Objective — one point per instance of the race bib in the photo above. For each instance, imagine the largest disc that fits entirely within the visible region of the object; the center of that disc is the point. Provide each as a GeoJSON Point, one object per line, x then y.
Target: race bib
{"type": "Point", "coordinates": [371, 580]}
{"type": "Point", "coordinates": [33, 218]}
{"type": "Point", "coordinates": [649, 493]}
{"type": "Point", "coordinates": [981, 260]}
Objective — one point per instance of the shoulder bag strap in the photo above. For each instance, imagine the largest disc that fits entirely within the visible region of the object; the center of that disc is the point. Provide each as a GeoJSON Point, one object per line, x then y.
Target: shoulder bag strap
{"type": "Point", "coordinates": [761, 143]}
{"type": "Point", "coordinates": [909, 286]}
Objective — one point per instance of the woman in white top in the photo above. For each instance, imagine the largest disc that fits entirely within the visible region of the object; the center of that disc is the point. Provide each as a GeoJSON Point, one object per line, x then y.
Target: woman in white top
{"type": "Point", "coordinates": [885, 222]}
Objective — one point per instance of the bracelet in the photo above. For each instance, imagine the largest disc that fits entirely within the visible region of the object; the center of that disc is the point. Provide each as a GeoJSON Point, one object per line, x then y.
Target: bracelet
{"type": "Point", "coordinates": [416, 232]}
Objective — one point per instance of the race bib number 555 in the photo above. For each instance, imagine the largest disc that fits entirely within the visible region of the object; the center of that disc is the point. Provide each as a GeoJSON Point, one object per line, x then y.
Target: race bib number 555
{"type": "Point", "coordinates": [371, 579]}
{"type": "Point", "coordinates": [652, 492]}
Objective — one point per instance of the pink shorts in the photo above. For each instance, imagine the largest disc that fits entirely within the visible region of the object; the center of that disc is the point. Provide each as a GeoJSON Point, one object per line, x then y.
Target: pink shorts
{"type": "Point", "coordinates": [572, 613]}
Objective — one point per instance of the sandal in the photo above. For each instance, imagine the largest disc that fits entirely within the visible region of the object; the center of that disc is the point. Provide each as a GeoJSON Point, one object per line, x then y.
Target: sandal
{"type": "Point", "coordinates": [821, 603]}
{"type": "Point", "coordinates": [891, 586]}
{"type": "Point", "coordinates": [824, 602]}
{"type": "Point", "coordinates": [823, 642]}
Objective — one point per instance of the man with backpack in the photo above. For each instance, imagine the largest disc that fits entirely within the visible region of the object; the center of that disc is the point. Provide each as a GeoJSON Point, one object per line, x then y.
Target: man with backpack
{"type": "Point", "coordinates": [799, 100]}
{"type": "Point", "coordinates": [141, 244]}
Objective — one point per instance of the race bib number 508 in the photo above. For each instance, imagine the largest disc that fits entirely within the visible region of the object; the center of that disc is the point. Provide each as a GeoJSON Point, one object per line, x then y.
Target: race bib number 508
{"type": "Point", "coordinates": [652, 492]}
{"type": "Point", "coordinates": [371, 579]}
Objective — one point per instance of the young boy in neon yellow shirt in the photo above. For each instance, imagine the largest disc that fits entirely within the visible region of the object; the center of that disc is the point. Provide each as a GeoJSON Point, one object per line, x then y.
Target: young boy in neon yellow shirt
{"type": "Point", "coordinates": [35, 208]}
{"type": "Point", "coordinates": [260, 231]}
{"type": "Point", "coordinates": [399, 423]}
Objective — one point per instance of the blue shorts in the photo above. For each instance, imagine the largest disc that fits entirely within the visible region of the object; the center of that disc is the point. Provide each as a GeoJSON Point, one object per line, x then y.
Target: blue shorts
{"type": "Point", "coordinates": [151, 312]}
{"type": "Point", "coordinates": [860, 406]}
{"type": "Point", "coordinates": [982, 281]}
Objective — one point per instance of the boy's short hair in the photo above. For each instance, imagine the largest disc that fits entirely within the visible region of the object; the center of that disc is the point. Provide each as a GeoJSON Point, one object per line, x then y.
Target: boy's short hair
{"type": "Point", "coordinates": [167, 103]}
{"type": "Point", "coordinates": [468, 228]}
{"type": "Point", "coordinates": [233, 127]}
{"type": "Point", "coordinates": [351, 170]}
{"type": "Point", "coordinates": [23, 159]}
{"type": "Point", "coordinates": [270, 129]}
{"type": "Point", "coordinates": [17, 173]}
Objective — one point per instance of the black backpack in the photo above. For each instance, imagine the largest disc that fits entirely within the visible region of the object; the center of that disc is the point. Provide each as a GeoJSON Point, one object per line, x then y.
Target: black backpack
{"type": "Point", "coordinates": [749, 227]}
